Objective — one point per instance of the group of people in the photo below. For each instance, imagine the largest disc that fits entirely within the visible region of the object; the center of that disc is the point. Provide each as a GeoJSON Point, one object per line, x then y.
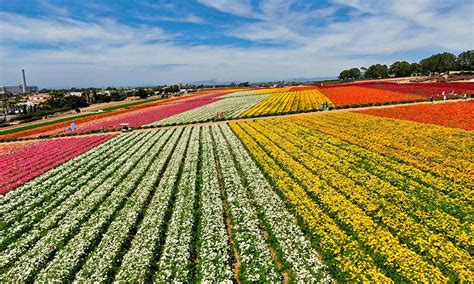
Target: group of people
{"type": "Point", "coordinates": [445, 96]}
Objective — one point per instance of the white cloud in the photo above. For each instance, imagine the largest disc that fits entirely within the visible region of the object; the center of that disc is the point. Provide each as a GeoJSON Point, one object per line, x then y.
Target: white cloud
{"type": "Point", "coordinates": [56, 9]}
{"type": "Point", "coordinates": [105, 52]}
{"type": "Point", "coordinates": [186, 19]}
{"type": "Point", "coordinates": [59, 30]}
{"type": "Point", "coordinates": [241, 8]}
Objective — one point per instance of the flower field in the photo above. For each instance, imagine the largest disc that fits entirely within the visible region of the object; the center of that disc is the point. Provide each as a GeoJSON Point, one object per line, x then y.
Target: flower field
{"type": "Point", "coordinates": [457, 114]}
{"type": "Point", "coordinates": [150, 206]}
{"type": "Point", "coordinates": [377, 209]}
{"type": "Point", "coordinates": [135, 116]}
{"type": "Point", "coordinates": [21, 165]}
{"type": "Point", "coordinates": [230, 107]}
{"type": "Point", "coordinates": [151, 114]}
{"type": "Point", "coordinates": [356, 95]}
{"type": "Point", "coordinates": [378, 195]}
{"type": "Point", "coordinates": [289, 102]}
{"type": "Point", "coordinates": [425, 89]}
{"type": "Point", "coordinates": [13, 146]}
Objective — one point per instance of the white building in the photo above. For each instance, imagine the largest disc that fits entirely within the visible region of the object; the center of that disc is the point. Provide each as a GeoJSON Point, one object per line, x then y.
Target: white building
{"type": "Point", "coordinates": [75, 94]}
{"type": "Point", "coordinates": [105, 93]}
{"type": "Point", "coordinates": [35, 99]}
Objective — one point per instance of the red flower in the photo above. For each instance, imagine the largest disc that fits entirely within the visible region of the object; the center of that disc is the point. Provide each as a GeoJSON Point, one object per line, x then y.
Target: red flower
{"type": "Point", "coordinates": [457, 114]}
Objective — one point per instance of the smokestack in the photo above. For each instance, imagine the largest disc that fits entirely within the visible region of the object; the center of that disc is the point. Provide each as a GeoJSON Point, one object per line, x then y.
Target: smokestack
{"type": "Point", "coordinates": [24, 80]}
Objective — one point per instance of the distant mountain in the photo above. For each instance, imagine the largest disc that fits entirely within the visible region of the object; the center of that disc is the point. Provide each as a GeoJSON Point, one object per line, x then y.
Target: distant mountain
{"type": "Point", "coordinates": [211, 83]}
{"type": "Point", "coordinates": [304, 80]}
{"type": "Point", "coordinates": [298, 80]}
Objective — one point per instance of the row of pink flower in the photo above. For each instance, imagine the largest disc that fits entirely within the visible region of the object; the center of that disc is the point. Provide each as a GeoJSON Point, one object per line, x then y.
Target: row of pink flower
{"type": "Point", "coordinates": [149, 115]}
{"type": "Point", "coordinates": [20, 166]}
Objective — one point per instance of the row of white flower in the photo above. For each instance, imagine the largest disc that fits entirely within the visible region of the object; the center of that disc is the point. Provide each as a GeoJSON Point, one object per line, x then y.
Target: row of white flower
{"type": "Point", "coordinates": [101, 261]}
{"type": "Point", "coordinates": [102, 173]}
{"type": "Point", "coordinates": [254, 255]}
{"type": "Point", "coordinates": [139, 259]}
{"type": "Point", "coordinates": [175, 263]}
{"type": "Point", "coordinates": [294, 248]}
{"type": "Point", "coordinates": [229, 107]}
{"type": "Point", "coordinates": [44, 240]}
{"type": "Point", "coordinates": [73, 254]}
{"type": "Point", "coordinates": [49, 195]}
{"type": "Point", "coordinates": [214, 262]}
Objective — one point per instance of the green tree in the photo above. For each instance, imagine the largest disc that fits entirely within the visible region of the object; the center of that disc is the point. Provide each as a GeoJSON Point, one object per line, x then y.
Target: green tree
{"type": "Point", "coordinates": [377, 71]}
{"type": "Point", "coordinates": [344, 75]}
{"type": "Point", "coordinates": [56, 99]}
{"type": "Point", "coordinates": [142, 93]}
{"type": "Point", "coordinates": [415, 68]}
{"type": "Point", "coordinates": [465, 60]}
{"type": "Point", "coordinates": [439, 63]}
{"type": "Point", "coordinates": [351, 74]}
{"type": "Point", "coordinates": [400, 69]}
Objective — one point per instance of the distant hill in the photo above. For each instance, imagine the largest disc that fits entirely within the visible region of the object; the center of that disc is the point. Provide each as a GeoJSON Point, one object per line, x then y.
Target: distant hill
{"type": "Point", "coordinates": [304, 80]}
{"type": "Point", "coordinates": [298, 80]}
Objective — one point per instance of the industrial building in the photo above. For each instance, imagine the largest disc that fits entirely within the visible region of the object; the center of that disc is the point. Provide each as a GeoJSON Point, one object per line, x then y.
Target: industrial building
{"type": "Point", "coordinates": [16, 90]}
{"type": "Point", "coordinates": [20, 89]}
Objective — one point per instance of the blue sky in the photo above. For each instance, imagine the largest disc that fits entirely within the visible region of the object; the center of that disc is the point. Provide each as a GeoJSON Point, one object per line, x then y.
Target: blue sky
{"type": "Point", "coordinates": [63, 43]}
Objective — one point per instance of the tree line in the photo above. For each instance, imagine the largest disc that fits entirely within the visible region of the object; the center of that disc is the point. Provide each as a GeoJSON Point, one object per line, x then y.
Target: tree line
{"type": "Point", "coordinates": [438, 63]}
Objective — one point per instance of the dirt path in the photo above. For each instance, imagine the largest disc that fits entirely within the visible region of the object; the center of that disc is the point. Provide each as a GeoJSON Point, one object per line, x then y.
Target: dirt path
{"type": "Point", "coordinates": [259, 118]}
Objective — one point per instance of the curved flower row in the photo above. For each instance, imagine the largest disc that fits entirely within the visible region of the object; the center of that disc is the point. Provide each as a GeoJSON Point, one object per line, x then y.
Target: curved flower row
{"type": "Point", "coordinates": [256, 260]}
{"type": "Point", "coordinates": [420, 190]}
{"type": "Point", "coordinates": [345, 254]}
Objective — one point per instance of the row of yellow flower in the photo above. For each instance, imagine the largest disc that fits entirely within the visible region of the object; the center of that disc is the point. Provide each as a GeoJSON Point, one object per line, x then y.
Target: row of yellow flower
{"type": "Point", "coordinates": [382, 202]}
{"type": "Point", "coordinates": [392, 153]}
{"type": "Point", "coordinates": [285, 102]}
{"type": "Point", "coordinates": [341, 190]}
{"type": "Point", "coordinates": [401, 183]}
{"type": "Point", "coordinates": [271, 91]}
{"type": "Point", "coordinates": [345, 253]}
{"type": "Point", "coordinates": [444, 151]}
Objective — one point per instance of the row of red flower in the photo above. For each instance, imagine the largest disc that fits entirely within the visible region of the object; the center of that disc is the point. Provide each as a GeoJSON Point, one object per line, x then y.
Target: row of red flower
{"type": "Point", "coordinates": [24, 164]}
{"type": "Point", "coordinates": [457, 114]}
